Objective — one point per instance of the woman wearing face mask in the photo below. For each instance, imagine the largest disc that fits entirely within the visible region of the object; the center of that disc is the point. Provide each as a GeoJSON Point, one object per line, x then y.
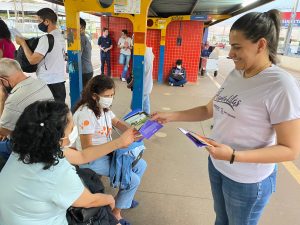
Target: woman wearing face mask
{"type": "Point", "coordinates": [256, 116]}
{"type": "Point", "coordinates": [38, 184]}
{"type": "Point", "coordinates": [94, 120]}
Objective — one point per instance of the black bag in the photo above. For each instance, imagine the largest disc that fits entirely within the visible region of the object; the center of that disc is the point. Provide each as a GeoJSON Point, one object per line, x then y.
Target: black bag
{"type": "Point", "coordinates": [91, 216]}
{"type": "Point", "coordinates": [32, 43]}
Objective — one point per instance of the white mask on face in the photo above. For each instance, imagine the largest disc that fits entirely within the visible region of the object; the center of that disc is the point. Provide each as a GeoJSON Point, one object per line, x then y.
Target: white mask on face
{"type": "Point", "coordinates": [178, 66]}
{"type": "Point", "coordinates": [105, 102]}
{"type": "Point", "coordinates": [72, 136]}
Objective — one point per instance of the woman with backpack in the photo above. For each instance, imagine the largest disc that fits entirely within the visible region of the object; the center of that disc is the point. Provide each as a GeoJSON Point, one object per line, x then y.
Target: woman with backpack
{"type": "Point", "coordinates": [7, 48]}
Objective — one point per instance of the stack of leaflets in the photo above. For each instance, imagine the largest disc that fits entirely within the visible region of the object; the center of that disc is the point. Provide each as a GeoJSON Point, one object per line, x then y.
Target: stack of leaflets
{"type": "Point", "coordinates": [197, 139]}
{"type": "Point", "coordinates": [142, 122]}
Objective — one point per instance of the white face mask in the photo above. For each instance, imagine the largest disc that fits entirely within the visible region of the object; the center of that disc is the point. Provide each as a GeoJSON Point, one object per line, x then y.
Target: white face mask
{"type": "Point", "coordinates": [178, 66]}
{"type": "Point", "coordinates": [105, 102]}
{"type": "Point", "coordinates": [72, 136]}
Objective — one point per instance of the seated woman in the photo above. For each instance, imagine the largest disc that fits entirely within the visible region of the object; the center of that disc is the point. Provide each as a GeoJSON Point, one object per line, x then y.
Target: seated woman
{"type": "Point", "coordinates": [94, 119]}
{"type": "Point", "coordinates": [177, 76]}
{"type": "Point", "coordinates": [38, 184]}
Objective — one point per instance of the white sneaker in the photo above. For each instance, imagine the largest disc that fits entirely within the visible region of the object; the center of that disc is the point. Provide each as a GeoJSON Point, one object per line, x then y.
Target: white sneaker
{"type": "Point", "coordinates": [123, 79]}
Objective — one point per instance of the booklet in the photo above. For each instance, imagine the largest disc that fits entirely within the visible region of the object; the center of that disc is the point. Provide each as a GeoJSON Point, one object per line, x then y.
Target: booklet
{"type": "Point", "coordinates": [198, 140]}
{"type": "Point", "coordinates": [142, 122]}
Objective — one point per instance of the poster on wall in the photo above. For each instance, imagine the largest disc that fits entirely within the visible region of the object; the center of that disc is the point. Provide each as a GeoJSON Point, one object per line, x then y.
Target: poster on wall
{"type": "Point", "coordinates": [127, 6]}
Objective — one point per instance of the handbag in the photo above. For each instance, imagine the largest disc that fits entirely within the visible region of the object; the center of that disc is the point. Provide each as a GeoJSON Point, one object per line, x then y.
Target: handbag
{"type": "Point", "coordinates": [90, 216]}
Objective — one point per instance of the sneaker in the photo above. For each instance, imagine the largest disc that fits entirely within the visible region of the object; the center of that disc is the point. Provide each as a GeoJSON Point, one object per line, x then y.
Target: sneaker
{"type": "Point", "coordinates": [123, 79]}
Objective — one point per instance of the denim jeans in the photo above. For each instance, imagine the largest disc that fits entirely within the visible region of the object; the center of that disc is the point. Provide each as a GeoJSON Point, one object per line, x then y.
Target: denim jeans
{"type": "Point", "coordinates": [146, 103]}
{"type": "Point", "coordinates": [5, 149]}
{"type": "Point", "coordinates": [124, 60]}
{"type": "Point", "coordinates": [124, 197]}
{"type": "Point", "coordinates": [239, 203]}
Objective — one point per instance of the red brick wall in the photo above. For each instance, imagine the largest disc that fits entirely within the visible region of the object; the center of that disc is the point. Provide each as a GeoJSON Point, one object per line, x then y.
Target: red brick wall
{"type": "Point", "coordinates": [116, 25]}
{"type": "Point", "coordinates": [189, 51]}
{"type": "Point", "coordinates": [153, 40]}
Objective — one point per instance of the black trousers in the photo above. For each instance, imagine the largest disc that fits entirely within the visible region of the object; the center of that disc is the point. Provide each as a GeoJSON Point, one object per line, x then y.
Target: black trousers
{"type": "Point", "coordinates": [105, 58]}
{"type": "Point", "coordinates": [59, 91]}
{"type": "Point", "coordinates": [86, 77]}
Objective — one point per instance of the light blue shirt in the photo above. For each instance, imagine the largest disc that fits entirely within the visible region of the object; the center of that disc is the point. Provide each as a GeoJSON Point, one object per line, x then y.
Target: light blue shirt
{"type": "Point", "coordinates": [31, 195]}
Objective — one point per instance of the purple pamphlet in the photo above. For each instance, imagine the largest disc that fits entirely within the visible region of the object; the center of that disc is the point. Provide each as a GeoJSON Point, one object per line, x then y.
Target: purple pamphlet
{"type": "Point", "coordinates": [142, 122]}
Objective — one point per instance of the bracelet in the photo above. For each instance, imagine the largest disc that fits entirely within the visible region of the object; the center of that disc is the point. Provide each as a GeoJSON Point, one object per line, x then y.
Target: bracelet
{"type": "Point", "coordinates": [232, 156]}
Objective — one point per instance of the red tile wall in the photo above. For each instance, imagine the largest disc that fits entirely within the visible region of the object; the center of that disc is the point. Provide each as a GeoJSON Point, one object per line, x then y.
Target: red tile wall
{"type": "Point", "coordinates": [189, 51]}
{"type": "Point", "coordinates": [115, 26]}
{"type": "Point", "coordinates": [153, 40]}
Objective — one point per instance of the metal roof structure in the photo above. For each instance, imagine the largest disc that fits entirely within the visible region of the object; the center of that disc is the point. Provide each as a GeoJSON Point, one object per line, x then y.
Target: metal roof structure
{"type": "Point", "coordinates": [166, 8]}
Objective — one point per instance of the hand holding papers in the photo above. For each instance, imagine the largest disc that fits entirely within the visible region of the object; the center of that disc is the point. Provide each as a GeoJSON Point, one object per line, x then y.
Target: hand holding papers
{"type": "Point", "coordinates": [198, 140]}
{"type": "Point", "coordinates": [141, 121]}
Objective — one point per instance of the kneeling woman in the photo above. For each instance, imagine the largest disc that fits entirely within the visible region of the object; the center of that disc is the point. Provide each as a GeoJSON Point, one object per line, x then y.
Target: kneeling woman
{"type": "Point", "coordinates": [94, 120]}
{"type": "Point", "coordinates": [38, 184]}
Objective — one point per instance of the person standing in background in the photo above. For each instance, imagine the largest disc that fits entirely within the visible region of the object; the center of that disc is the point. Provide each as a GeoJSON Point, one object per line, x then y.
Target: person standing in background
{"type": "Point", "coordinates": [7, 48]}
{"type": "Point", "coordinates": [86, 54]}
{"type": "Point", "coordinates": [125, 44]}
{"type": "Point", "coordinates": [51, 66]}
{"type": "Point", "coordinates": [105, 45]}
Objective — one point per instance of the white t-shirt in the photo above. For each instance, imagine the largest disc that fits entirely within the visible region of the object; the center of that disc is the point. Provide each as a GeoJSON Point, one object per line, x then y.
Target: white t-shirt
{"type": "Point", "coordinates": [148, 67]}
{"type": "Point", "coordinates": [31, 195]}
{"type": "Point", "coordinates": [87, 123]}
{"type": "Point", "coordinates": [125, 42]}
{"type": "Point", "coordinates": [244, 111]}
{"type": "Point", "coordinates": [54, 60]}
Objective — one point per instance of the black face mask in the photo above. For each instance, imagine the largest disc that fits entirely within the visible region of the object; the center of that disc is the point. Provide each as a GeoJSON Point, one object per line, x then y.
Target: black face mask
{"type": "Point", "coordinates": [43, 27]}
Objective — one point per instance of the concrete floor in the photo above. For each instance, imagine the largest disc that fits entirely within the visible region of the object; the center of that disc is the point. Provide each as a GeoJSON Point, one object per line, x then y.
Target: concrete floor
{"type": "Point", "coordinates": [175, 189]}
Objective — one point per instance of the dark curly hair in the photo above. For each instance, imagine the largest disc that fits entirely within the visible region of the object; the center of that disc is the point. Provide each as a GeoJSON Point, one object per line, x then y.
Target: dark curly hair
{"type": "Point", "coordinates": [4, 31]}
{"type": "Point", "coordinates": [38, 132]}
{"type": "Point", "coordinates": [98, 85]}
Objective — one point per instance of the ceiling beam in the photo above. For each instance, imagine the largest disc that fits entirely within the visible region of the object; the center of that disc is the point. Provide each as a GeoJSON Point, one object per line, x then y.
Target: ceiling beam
{"type": "Point", "coordinates": [194, 6]}
{"type": "Point", "coordinates": [152, 12]}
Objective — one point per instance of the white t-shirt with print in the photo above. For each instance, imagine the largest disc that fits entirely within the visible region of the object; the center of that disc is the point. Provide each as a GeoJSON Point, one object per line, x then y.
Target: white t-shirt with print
{"type": "Point", "coordinates": [125, 42]}
{"type": "Point", "coordinates": [244, 110]}
{"type": "Point", "coordinates": [87, 123]}
{"type": "Point", "coordinates": [54, 60]}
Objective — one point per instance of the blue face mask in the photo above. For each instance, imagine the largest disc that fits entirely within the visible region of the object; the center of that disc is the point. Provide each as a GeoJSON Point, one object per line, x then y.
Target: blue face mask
{"type": "Point", "coordinates": [43, 27]}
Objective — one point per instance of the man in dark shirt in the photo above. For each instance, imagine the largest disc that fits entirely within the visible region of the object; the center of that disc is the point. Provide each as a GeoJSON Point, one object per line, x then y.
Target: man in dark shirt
{"type": "Point", "coordinates": [105, 45]}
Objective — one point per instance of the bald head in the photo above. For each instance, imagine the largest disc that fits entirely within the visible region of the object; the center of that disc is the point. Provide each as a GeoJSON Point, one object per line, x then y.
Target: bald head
{"type": "Point", "coordinates": [9, 67]}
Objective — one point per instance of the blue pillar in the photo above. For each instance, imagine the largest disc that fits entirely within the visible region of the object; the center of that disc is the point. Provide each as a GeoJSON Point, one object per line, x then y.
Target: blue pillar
{"type": "Point", "coordinates": [205, 35]}
{"type": "Point", "coordinates": [161, 64]}
{"type": "Point", "coordinates": [75, 75]}
{"type": "Point", "coordinates": [138, 88]}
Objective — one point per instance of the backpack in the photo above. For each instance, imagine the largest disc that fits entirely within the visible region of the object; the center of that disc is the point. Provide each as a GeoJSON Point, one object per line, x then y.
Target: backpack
{"type": "Point", "coordinates": [90, 216]}
{"type": "Point", "coordinates": [32, 43]}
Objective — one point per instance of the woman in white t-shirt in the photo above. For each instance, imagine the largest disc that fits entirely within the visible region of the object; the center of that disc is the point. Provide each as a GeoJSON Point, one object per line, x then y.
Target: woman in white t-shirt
{"type": "Point", "coordinates": [94, 120]}
{"type": "Point", "coordinates": [256, 116]}
{"type": "Point", "coordinates": [38, 184]}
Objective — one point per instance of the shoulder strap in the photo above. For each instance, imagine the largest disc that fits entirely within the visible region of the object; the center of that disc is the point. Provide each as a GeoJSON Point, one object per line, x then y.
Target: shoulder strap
{"type": "Point", "coordinates": [51, 42]}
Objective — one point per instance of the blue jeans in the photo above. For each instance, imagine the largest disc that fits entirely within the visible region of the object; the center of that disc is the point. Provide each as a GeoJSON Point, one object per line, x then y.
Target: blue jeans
{"type": "Point", "coordinates": [177, 83]}
{"type": "Point", "coordinates": [146, 103]}
{"type": "Point", "coordinates": [124, 197]}
{"type": "Point", "coordinates": [239, 203]}
{"type": "Point", "coordinates": [5, 149]}
{"type": "Point", "coordinates": [124, 60]}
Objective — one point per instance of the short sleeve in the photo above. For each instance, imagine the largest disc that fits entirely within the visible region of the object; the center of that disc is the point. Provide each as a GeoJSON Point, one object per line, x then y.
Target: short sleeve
{"type": "Point", "coordinates": [86, 121]}
{"type": "Point", "coordinates": [111, 114]}
{"type": "Point", "coordinates": [9, 117]}
{"type": "Point", "coordinates": [42, 46]}
{"type": "Point", "coordinates": [120, 42]}
{"type": "Point", "coordinates": [69, 188]}
{"type": "Point", "coordinates": [284, 105]}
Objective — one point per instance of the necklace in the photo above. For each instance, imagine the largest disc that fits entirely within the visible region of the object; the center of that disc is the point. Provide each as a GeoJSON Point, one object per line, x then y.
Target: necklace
{"type": "Point", "coordinates": [252, 74]}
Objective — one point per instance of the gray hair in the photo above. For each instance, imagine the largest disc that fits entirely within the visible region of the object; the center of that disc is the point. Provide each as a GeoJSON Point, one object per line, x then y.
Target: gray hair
{"type": "Point", "coordinates": [9, 67]}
